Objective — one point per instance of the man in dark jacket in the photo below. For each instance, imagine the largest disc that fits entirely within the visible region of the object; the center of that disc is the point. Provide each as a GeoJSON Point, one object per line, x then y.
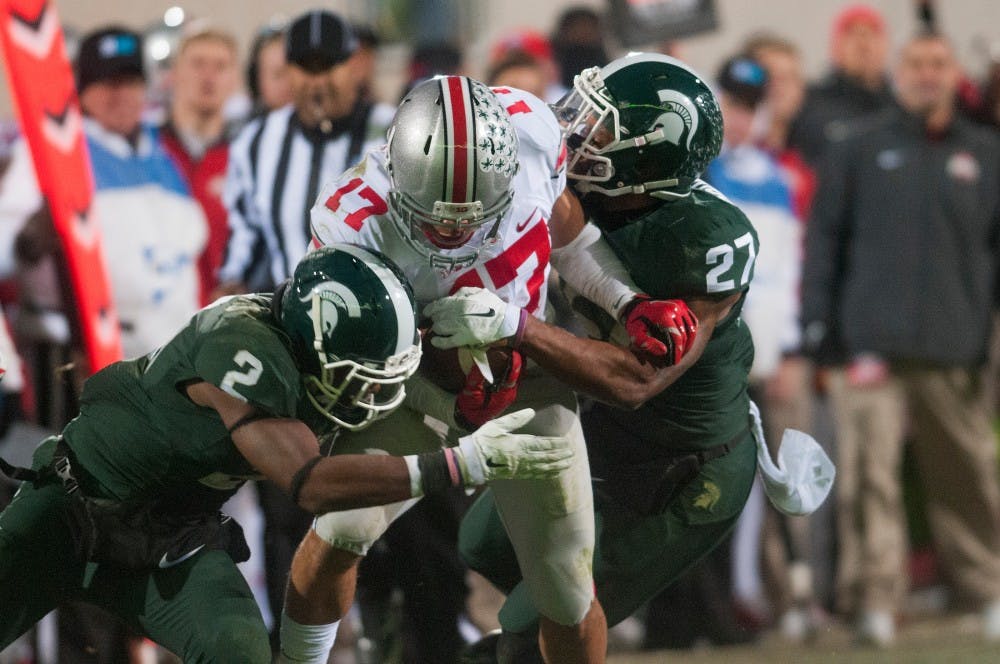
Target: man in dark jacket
{"type": "Point", "coordinates": [901, 266]}
{"type": "Point", "coordinates": [856, 86]}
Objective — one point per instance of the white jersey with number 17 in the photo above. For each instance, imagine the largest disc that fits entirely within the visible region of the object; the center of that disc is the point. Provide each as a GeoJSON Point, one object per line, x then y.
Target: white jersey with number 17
{"type": "Point", "coordinates": [514, 264]}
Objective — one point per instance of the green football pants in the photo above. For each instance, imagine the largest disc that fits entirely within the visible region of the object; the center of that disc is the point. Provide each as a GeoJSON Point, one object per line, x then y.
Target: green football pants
{"type": "Point", "coordinates": [202, 609]}
{"type": "Point", "coordinates": [636, 557]}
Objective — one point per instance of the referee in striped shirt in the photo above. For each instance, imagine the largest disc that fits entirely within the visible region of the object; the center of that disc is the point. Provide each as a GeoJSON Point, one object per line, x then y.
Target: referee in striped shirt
{"type": "Point", "coordinates": [280, 160]}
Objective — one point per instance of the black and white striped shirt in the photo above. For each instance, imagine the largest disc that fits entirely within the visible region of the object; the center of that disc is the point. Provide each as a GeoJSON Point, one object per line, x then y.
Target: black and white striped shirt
{"type": "Point", "coordinates": [276, 168]}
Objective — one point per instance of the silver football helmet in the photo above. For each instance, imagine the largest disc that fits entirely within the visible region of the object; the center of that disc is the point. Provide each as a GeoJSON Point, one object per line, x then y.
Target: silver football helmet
{"type": "Point", "coordinates": [452, 155]}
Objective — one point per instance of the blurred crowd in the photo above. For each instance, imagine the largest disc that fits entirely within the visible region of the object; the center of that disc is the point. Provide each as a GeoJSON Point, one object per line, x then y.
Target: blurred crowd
{"type": "Point", "coordinates": [876, 197]}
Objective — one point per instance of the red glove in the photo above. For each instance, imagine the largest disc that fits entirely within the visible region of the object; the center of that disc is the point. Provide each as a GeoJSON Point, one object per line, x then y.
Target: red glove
{"type": "Point", "coordinates": [665, 329]}
{"type": "Point", "coordinates": [480, 401]}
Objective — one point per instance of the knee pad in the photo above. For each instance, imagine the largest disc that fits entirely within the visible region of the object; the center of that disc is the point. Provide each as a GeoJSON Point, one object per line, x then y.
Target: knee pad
{"type": "Point", "coordinates": [356, 530]}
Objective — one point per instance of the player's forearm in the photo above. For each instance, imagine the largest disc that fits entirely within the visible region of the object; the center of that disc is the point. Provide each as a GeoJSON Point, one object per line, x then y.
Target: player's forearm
{"type": "Point", "coordinates": [602, 370]}
{"type": "Point", "coordinates": [355, 480]}
{"type": "Point", "coordinates": [590, 266]}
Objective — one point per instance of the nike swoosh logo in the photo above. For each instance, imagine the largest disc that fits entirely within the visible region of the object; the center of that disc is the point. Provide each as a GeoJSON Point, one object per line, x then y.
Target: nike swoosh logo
{"type": "Point", "coordinates": [166, 562]}
{"type": "Point", "coordinates": [493, 464]}
{"type": "Point", "coordinates": [484, 314]}
{"type": "Point", "coordinates": [520, 227]}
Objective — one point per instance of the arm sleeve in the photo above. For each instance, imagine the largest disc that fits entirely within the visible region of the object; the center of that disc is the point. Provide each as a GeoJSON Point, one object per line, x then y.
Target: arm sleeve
{"type": "Point", "coordinates": [244, 225]}
{"type": "Point", "coordinates": [425, 397]}
{"type": "Point", "coordinates": [590, 266]}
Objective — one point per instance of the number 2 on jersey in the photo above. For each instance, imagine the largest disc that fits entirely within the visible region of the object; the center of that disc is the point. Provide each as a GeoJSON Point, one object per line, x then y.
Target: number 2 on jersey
{"type": "Point", "coordinates": [252, 369]}
{"type": "Point", "coordinates": [723, 257]}
{"type": "Point", "coordinates": [354, 219]}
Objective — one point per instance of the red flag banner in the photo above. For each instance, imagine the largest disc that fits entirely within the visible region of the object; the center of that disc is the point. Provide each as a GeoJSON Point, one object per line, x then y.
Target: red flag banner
{"type": "Point", "coordinates": [42, 85]}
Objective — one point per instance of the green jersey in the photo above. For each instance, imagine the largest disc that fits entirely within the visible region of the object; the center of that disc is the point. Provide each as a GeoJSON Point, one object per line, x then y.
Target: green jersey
{"type": "Point", "coordinates": [139, 437]}
{"type": "Point", "coordinates": [700, 245]}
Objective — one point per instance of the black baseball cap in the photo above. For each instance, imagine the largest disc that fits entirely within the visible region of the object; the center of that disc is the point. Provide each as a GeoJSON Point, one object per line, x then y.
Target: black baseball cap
{"type": "Point", "coordinates": [319, 40]}
{"type": "Point", "coordinates": [112, 52]}
{"type": "Point", "coordinates": [743, 79]}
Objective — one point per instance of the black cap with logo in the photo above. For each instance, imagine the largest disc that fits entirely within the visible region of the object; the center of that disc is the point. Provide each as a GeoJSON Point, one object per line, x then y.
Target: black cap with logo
{"type": "Point", "coordinates": [110, 53]}
{"type": "Point", "coordinates": [743, 79]}
{"type": "Point", "coordinates": [319, 40]}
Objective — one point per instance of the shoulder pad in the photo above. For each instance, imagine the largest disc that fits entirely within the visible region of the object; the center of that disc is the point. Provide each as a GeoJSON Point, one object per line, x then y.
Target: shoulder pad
{"type": "Point", "coordinates": [533, 121]}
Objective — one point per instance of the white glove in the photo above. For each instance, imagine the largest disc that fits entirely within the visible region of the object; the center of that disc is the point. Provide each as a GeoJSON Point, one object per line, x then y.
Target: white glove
{"type": "Point", "coordinates": [492, 452]}
{"type": "Point", "coordinates": [472, 317]}
{"type": "Point", "coordinates": [802, 479]}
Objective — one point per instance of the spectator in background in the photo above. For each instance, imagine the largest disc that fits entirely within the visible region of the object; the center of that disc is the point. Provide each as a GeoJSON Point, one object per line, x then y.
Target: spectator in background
{"type": "Point", "coordinates": [786, 88]}
{"type": "Point", "coordinates": [902, 258]}
{"type": "Point", "coordinates": [267, 71]}
{"type": "Point", "coordinates": [856, 86]}
{"type": "Point", "coordinates": [990, 111]}
{"type": "Point", "coordinates": [365, 59]}
{"type": "Point", "coordinates": [432, 60]}
{"type": "Point", "coordinates": [278, 161]}
{"type": "Point", "coordinates": [753, 180]}
{"type": "Point", "coordinates": [578, 43]}
{"type": "Point", "coordinates": [267, 83]}
{"type": "Point", "coordinates": [152, 229]}
{"type": "Point", "coordinates": [195, 134]}
{"type": "Point", "coordinates": [786, 398]}
{"type": "Point", "coordinates": [509, 56]}
{"type": "Point", "coordinates": [518, 70]}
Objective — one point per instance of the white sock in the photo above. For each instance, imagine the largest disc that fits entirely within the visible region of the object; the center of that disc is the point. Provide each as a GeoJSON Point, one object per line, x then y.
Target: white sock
{"type": "Point", "coordinates": [306, 644]}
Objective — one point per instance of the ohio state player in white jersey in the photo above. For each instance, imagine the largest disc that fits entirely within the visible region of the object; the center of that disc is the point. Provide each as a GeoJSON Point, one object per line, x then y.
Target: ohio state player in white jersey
{"type": "Point", "coordinates": [513, 262]}
{"type": "Point", "coordinates": [463, 195]}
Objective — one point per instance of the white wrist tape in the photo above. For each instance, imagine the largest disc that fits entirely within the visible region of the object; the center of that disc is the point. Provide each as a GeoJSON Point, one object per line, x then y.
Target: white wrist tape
{"type": "Point", "coordinates": [471, 461]}
{"type": "Point", "coordinates": [590, 266]}
{"type": "Point", "coordinates": [416, 489]}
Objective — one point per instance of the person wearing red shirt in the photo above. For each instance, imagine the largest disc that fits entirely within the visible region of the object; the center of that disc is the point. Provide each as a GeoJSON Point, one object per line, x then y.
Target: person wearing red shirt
{"type": "Point", "coordinates": [205, 75]}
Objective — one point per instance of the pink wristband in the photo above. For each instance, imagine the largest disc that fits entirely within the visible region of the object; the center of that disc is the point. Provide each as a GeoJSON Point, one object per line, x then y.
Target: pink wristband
{"type": "Point", "coordinates": [519, 335]}
{"type": "Point", "coordinates": [453, 472]}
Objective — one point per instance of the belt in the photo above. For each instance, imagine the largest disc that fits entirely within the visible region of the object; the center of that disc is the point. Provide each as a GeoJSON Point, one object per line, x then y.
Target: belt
{"type": "Point", "coordinates": [60, 465]}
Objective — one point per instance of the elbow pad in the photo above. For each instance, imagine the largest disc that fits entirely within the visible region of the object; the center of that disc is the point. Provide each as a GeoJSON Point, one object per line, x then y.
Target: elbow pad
{"type": "Point", "coordinates": [592, 268]}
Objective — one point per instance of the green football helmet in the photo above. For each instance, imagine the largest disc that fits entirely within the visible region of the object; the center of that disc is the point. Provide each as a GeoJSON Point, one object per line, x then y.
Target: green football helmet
{"type": "Point", "coordinates": [351, 318]}
{"type": "Point", "coordinates": [644, 124]}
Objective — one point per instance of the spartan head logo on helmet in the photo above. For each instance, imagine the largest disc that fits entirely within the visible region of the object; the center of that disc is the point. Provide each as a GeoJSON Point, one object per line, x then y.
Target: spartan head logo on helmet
{"type": "Point", "coordinates": [326, 302]}
{"type": "Point", "coordinates": [680, 113]}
